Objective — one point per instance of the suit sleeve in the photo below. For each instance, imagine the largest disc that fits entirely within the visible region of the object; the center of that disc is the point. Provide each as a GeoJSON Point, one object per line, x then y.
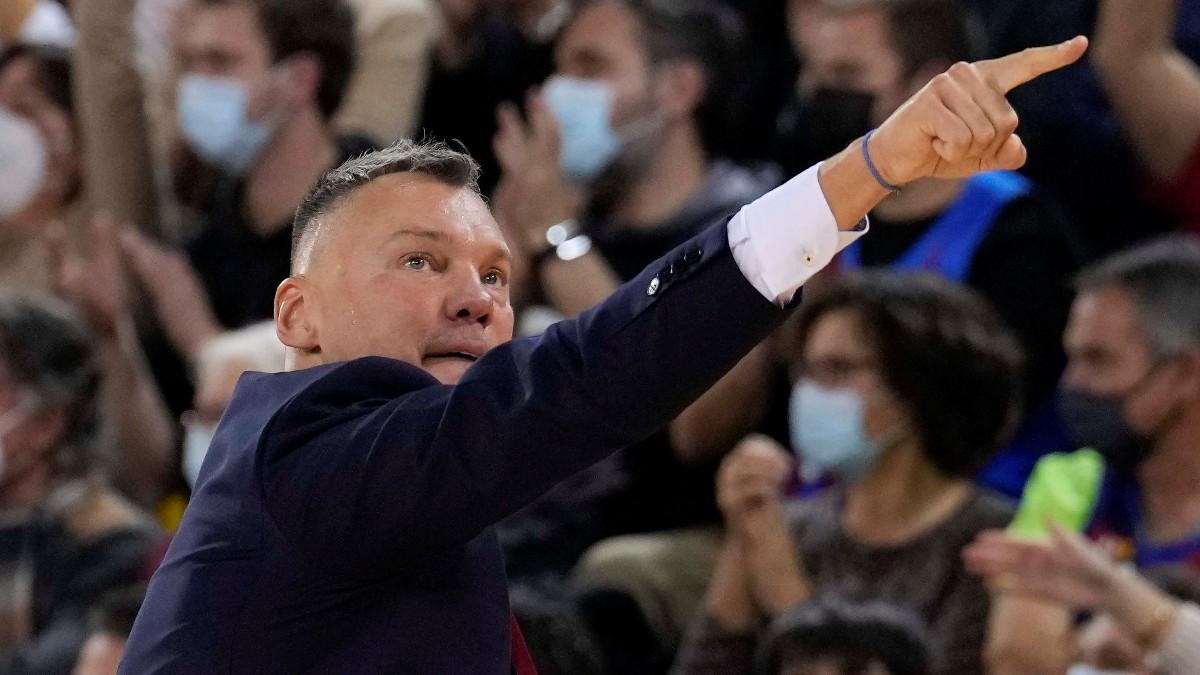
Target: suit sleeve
{"type": "Point", "coordinates": [371, 483]}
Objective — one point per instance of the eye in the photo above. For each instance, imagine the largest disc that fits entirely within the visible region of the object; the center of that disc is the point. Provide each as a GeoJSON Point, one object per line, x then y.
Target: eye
{"type": "Point", "coordinates": [493, 278]}
{"type": "Point", "coordinates": [415, 262]}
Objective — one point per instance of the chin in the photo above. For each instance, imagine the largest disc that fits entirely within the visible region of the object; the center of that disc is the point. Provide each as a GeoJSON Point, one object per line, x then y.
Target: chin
{"type": "Point", "coordinates": [448, 373]}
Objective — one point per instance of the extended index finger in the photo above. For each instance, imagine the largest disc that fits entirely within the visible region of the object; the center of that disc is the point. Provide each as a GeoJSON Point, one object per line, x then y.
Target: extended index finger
{"type": "Point", "coordinates": [1014, 70]}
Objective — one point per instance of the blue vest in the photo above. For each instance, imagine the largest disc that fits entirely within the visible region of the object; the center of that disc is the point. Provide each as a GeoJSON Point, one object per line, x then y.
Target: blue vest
{"type": "Point", "coordinates": [950, 244]}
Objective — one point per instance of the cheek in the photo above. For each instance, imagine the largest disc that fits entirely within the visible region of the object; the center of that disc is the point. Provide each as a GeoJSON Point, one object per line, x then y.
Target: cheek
{"type": "Point", "coordinates": [881, 416]}
{"type": "Point", "coordinates": [501, 330]}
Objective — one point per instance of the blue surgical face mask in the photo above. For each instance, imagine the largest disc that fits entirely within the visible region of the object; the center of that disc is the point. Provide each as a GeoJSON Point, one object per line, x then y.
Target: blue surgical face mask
{"type": "Point", "coordinates": [583, 110]}
{"type": "Point", "coordinates": [214, 120]}
{"type": "Point", "coordinates": [829, 434]}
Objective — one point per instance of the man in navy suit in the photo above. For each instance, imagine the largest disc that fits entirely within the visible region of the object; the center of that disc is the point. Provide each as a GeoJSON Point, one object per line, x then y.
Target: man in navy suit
{"type": "Point", "coordinates": [342, 519]}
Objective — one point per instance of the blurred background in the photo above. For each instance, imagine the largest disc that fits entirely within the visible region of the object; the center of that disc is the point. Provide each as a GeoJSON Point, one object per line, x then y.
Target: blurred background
{"type": "Point", "coordinates": [975, 449]}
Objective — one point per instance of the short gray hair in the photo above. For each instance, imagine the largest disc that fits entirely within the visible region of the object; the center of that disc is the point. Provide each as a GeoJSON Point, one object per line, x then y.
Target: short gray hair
{"type": "Point", "coordinates": [1163, 277]}
{"type": "Point", "coordinates": [434, 159]}
{"type": "Point", "coordinates": [48, 352]}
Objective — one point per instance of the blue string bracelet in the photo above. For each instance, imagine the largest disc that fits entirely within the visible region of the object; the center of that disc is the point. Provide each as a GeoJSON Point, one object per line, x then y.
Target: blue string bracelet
{"type": "Point", "coordinates": [871, 165]}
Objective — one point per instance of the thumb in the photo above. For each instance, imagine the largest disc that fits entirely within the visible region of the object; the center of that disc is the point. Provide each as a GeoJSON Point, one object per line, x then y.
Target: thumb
{"type": "Point", "coordinates": [1010, 157]}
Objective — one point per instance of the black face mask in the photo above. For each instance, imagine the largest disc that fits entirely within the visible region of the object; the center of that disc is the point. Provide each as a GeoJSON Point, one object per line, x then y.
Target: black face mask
{"type": "Point", "coordinates": [1098, 421]}
{"type": "Point", "coordinates": [827, 121]}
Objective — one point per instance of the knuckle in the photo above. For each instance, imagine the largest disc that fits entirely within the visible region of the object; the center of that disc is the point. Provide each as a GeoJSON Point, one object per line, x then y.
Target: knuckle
{"type": "Point", "coordinates": [960, 69]}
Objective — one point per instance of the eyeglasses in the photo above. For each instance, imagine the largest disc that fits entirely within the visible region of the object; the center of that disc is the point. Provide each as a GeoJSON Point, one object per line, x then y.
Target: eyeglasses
{"type": "Point", "coordinates": [835, 371]}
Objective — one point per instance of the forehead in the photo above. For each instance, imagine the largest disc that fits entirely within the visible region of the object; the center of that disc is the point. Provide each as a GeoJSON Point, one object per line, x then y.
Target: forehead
{"type": "Point", "coordinates": [838, 331]}
{"type": "Point", "coordinates": [228, 26]}
{"type": "Point", "coordinates": [410, 202]}
{"type": "Point", "coordinates": [850, 39]}
{"type": "Point", "coordinates": [601, 30]}
{"type": "Point", "coordinates": [1105, 315]}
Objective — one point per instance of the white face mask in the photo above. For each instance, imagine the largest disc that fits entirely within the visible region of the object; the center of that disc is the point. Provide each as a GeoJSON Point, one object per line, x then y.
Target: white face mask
{"type": "Point", "coordinates": [22, 163]}
{"type": "Point", "coordinates": [197, 437]}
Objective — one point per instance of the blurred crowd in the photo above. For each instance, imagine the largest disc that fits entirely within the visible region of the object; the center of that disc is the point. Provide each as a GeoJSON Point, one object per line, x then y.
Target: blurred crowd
{"type": "Point", "coordinates": [976, 448]}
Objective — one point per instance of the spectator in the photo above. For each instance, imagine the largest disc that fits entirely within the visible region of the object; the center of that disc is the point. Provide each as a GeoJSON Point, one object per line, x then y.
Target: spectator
{"type": "Point", "coordinates": [261, 79]}
{"type": "Point", "coordinates": [65, 537]}
{"type": "Point", "coordinates": [35, 84]}
{"type": "Point", "coordinates": [110, 623]}
{"type": "Point", "coordinates": [906, 385]}
{"type": "Point", "coordinates": [644, 79]}
{"type": "Point", "coordinates": [831, 638]}
{"type": "Point", "coordinates": [1073, 572]}
{"type": "Point", "coordinates": [995, 232]}
{"type": "Point", "coordinates": [1155, 91]}
{"type": "Point", "coordinates": [1131, 395]}
{"type": "Point", "coordinates": [221, 363]}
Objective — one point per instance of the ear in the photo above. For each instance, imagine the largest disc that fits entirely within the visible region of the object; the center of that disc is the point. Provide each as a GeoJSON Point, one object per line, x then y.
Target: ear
{"type": "Point", "coordinates": [295, 315]}
{"type": "Point", "coordinates": [303, 78]}
{"type": "Point", "coordinates": [681, 88]}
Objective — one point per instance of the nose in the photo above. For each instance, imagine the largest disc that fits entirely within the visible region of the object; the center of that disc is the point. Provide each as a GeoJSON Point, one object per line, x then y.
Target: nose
{"type": "Point", "coordinates": [469, 300]}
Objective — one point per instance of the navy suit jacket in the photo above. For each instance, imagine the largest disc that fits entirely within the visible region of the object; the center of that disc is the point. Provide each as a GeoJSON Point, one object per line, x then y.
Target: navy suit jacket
{"type": "Point", "coordinates": [343, 519]}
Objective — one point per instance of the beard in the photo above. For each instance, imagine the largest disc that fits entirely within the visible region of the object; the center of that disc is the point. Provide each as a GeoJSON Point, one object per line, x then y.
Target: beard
{"type": "Point", "coordinates": [641, 140]}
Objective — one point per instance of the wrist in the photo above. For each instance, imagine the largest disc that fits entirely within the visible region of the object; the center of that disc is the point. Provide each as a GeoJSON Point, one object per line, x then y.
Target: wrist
{"type": "Point", "coordinates": [1148, 613]}
{"type": "Point", "coordinates": [849, 187]}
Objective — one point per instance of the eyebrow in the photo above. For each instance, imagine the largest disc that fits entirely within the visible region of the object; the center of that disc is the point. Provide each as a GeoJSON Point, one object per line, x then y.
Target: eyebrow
{"type": "Point", "coordinates": [418, 232]}
{"type": "Point", "coordinates": [434, 235]}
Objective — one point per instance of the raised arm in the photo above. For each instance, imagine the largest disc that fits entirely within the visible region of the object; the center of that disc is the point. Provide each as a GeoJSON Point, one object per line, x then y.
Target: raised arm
{"type": "Point", "coordinates": [116, 144]}
{"type": "Point", "coordinates": [434, 467]}
{"type": "Point", "coordinates": [1154, 88]}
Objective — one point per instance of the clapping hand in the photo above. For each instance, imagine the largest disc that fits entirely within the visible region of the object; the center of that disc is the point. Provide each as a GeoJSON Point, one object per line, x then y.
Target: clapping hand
{"type": "Point", "coordinates": [1066, 569]}
{"type": "Point", "coordinates": [533, 193]}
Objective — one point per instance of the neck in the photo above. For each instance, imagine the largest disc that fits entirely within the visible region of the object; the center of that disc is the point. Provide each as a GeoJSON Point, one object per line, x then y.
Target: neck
{"type": "Point", "coordinates": [674, 174]}
{"type": "Point", "coordinates": [1172, 506]}
{"type": "Point", "coordinates": [920, 199]}
{"type": "Point", "coordinates": [903, 496]}
{"type": "Point", "coordinates": [302, 150]}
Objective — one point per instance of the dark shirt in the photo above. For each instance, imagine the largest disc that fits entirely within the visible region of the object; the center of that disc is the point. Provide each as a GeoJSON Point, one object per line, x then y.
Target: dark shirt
{"type": "Point", "coordinates": [240, 267]}
{"type": "Point", "coordinates": [460, 103]}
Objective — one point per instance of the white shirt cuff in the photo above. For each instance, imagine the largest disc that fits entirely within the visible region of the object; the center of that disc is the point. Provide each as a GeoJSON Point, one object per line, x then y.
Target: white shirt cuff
{"type": "Point", "coordinates": [780, 240]}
